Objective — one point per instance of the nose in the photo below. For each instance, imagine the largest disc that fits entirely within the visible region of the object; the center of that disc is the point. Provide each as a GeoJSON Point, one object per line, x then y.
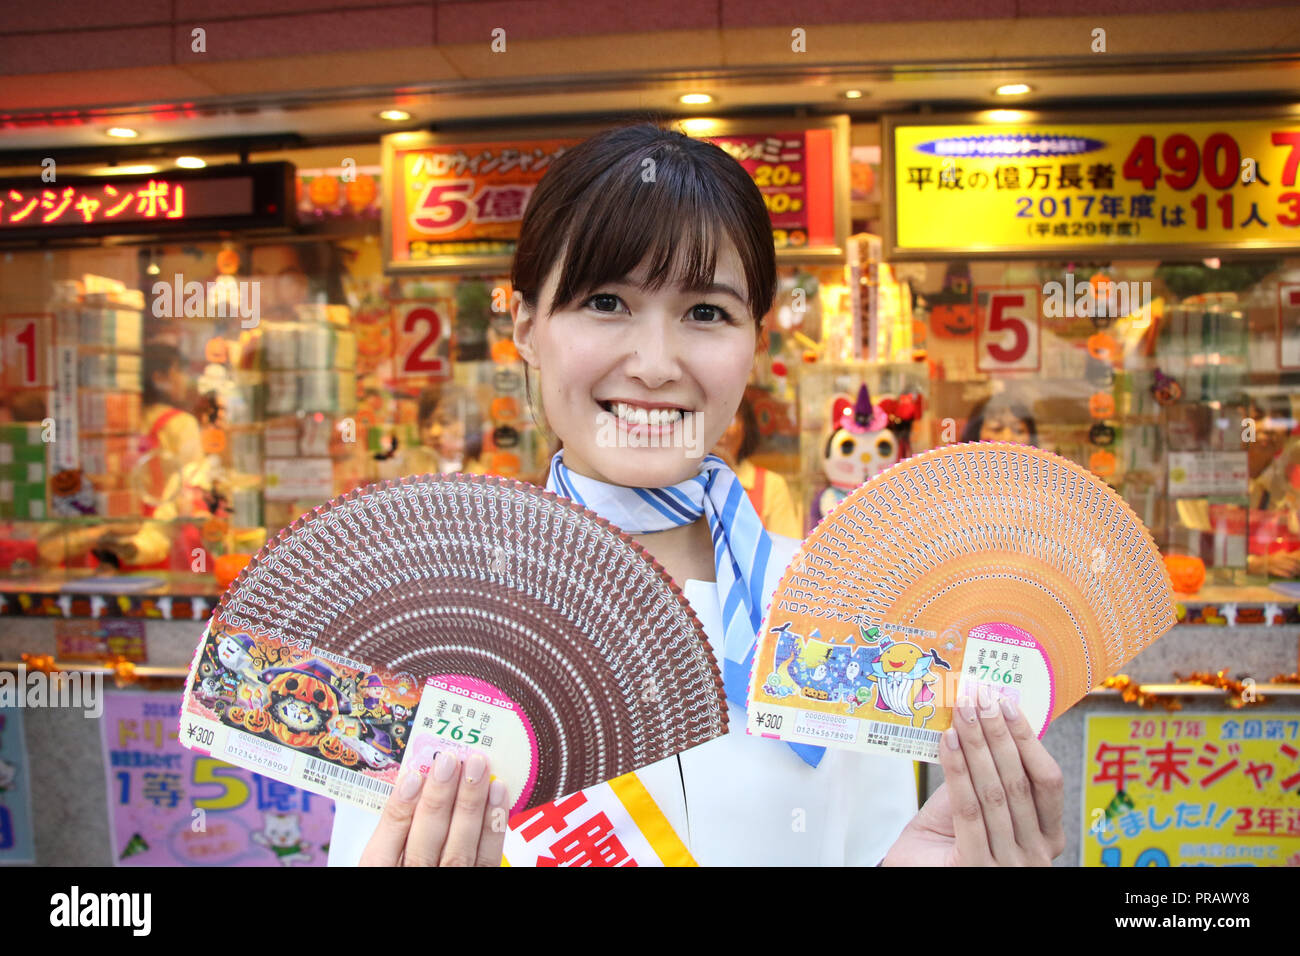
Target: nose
{"type": "Point", "coordinates": [655, 358]}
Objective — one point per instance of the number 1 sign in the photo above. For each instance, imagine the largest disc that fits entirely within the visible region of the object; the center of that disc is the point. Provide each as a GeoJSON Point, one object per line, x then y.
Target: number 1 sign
{"type": "Point", "coordinates": [422, 337]}
{"type": "Point", "coordinates": [1008, 329]}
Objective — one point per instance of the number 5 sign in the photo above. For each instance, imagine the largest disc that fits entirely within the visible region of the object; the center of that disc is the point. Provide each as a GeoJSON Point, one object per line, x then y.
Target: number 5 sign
{"type": "Point", "coordinates": [1008, 329]}
{"type": "Point", "coordinates": [422, 337]}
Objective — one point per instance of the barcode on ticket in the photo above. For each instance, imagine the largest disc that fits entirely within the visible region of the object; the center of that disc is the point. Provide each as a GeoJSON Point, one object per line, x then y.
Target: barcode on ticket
{"type": "Point", "coordinates": [319, 771]}
{"type": "Point", "coordinates": [903, 740]}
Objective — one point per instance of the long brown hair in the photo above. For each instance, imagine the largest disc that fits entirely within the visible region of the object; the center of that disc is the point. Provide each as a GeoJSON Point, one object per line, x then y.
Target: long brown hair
{"type": "Point", "coordinates": [642, 193]}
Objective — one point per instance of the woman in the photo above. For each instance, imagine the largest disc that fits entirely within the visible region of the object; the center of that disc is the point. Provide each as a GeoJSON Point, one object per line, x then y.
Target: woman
{"type": "Point", "coordinates": [1002, 417]}
{"type": "Point", "coordinates": [646, 293]}
{"type": "Point", "coordinates": [768, 491]}
{"type": "Point", "coordinates": [451, 433]}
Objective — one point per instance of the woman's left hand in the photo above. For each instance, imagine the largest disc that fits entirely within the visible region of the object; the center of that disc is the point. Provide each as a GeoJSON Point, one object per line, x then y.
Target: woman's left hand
{"type": "Point", "coordinates": [1002, 801]}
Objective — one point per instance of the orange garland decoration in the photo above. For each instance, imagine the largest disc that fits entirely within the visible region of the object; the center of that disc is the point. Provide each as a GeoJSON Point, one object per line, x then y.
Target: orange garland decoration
{"type": "Point", "coordinates": [43, 663]}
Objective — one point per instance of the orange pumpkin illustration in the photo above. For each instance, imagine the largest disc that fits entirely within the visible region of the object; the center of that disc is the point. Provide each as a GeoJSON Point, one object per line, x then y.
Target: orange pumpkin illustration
{"type": "Point", "coordinates": [66, 482]}
{"type": "Point", "coordinates": [1103, 347]}
{"type": "Point", "coordinates": [212, 441]}
{"type": "Point", "coordinates": [323, 192]}
{"type": "Point", "coordinates": [257, 721]}
{"type": "Point", "coordinates": [236, 714]}
{"type": "Point", "coordinates": [1101, 405]}
{"type": "Point", "coordinates": [1101, 463]}
{"type": "Point", "coordinates": [952, 320]}
{"type": "Point", "coordinates": [361, 193]}
{"type": "Point", "coordinates": [332, 748]}
{"type": "Point", "coordinates": [227, 262]}
{"type": "Point", "coordinates": [348, 757]}
{"type": "Point", "coordinates": [1186, 573]}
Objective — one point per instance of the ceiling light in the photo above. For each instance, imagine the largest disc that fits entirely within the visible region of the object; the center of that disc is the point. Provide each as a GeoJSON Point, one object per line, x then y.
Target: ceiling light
{"type": "Point", "coordinates": [1013, 89]}
{"type": "Point", "coordinates": [190, 162]}
{"type": "Point", "coordinates": [140, 169]}
{"type": "Point", "coordinates": [695, 99]}
{"type": "Point", "coordinates": [395, 116]}
{"type": "Point", "coordinates": [853, 94]}
{"type": "Point", "coordinates": [122, 132]}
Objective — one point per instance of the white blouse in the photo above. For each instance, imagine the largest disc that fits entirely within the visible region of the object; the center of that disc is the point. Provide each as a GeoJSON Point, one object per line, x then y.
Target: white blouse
{"type": "Point", "coordinates": [752, 801]}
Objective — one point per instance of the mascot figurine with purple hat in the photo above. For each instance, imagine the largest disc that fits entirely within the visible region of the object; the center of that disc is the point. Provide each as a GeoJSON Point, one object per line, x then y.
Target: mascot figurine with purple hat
{"type": "Point", "coordinates": [865, 440]}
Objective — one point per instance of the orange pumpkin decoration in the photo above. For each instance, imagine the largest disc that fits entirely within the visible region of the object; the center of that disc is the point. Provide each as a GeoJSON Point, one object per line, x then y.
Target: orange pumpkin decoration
{"type": "Point", "coordinates": [236, 714]}
{"type": "Point", "coordinates": [257, 721]}
{"type": "Point", "coordinates": [1186, 573]}
{"type": "Point", "coordinates": [216, 351]}
{"type": "Point", "coordinates": [332, 748]}
{"type": "Point", "coordinates": [504, 351]}
{"type": "Point", "coordinates": [361, 192]}
{"type": "Point", "coordinates": [212, 441]}
{"type": "Point", "coordinates": [1101, 405]}
{"type": "Point", "coordinates": [1103, 347]}
{"type": "Point", "coordinates": [227, 262]}
{"type": "Point", "coordinates": [1101, 463]}
{"type": "Point", "coordinates": [323, 192]}
{"type": "Point", "coordinates": [348, 757]}
{"type": "Point", "coordinates": [504, 408]}
{"type": "Point", "coordinates": [66, 482]}
{"type": "Point", "coordinates": [952, 321]}
{"type": "Point", "coordinates": [214, 530]}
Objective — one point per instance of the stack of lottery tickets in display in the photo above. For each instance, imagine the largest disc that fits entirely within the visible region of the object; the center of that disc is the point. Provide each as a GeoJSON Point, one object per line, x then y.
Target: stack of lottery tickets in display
{"type": "Point", "coordinates": [984, 564]}
{"type": "Point", "coordinates": [451, 612]}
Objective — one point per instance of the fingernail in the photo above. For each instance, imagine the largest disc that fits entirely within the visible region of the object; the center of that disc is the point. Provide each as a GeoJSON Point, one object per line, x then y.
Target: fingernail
{"type": "Point", "coordinates": [474, 768]}
{"type": "Point", "coordinates": [1009, 708]}
{"type": "Point", "coordinates": [982, 695]}
{"type": "Point", "coordinates": [444, 765]}
{"type": "Point", "coordinates": [409, 784]}
{"type": "Point", "coordinates": [497, 794]}
{"type": "Point", "coordinates": [965, 709]}
{"type": "Point", "coordinates": [950, 738]}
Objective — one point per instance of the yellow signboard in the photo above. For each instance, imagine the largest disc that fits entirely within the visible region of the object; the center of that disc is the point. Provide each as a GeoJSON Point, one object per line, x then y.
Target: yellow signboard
{"type": "Point", "coordinates": [1192, 789]}
{"type": "Point", "coordinates": [984, 189]}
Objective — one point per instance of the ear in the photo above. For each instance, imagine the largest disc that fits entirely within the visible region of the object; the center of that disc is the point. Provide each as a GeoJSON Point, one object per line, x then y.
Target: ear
{"type": "Point", "coordinates": [525, 323]}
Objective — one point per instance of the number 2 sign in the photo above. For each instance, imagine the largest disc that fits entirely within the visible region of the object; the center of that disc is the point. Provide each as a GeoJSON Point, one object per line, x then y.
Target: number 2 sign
{"type": "Point", "coordinates": [422, 335]}
{"type": "Point", "coordinates": [1008, 329]}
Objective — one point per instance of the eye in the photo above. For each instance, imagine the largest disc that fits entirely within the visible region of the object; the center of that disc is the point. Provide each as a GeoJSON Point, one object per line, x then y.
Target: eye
{"type": "Point", "coordinates": [710, 314]}
{"type": "Point", "coordinates": [608, 299]}
{"type": "Point", "coordinates": [319, 697]}
{"type": "Point", "coordinates": [847, 446]}
{"type": "Point", "coordinates": [291, 684]}
{"type": "Point", "coordinates": [884, 448]}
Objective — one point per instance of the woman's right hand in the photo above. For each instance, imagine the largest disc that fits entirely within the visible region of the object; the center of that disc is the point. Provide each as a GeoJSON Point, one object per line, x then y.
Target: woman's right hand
{"type": "Point", "coordinates": [450, 818]}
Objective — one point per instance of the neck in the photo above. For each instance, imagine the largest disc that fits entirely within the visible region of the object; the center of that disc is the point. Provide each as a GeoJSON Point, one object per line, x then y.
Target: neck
{"type": "Point", "coordinates": [686, 553]}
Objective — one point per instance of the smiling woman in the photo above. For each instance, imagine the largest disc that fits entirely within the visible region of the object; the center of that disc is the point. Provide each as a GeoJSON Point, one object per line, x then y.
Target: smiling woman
{"type": "Point", "coordinates": [643, 271]}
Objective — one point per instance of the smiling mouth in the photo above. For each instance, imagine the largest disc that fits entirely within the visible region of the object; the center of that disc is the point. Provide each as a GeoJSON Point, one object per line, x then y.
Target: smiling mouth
{"type": "Point", "coordinates": [663, 416]}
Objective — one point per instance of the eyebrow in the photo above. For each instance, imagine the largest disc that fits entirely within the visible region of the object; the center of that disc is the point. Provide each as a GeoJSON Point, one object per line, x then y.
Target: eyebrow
{"type": "Point", "coordinates": [721, 287]}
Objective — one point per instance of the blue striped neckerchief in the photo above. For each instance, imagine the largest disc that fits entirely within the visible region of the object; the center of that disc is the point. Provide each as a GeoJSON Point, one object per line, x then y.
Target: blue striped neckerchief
{"type": "Point", "coordinates": [741, 550]}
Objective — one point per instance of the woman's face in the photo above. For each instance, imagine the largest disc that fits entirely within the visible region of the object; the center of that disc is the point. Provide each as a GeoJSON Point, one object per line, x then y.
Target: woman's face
{"type": "Point", "coordinates": [640, 385]}
{"type": "Point", "coordinates": [445, 431]}
{"type": "Point", "coordinates": [1004, 426]}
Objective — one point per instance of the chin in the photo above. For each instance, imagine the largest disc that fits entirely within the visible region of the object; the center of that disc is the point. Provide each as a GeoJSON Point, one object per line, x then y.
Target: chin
{"type": "Point", "coordinates": [645, 467]}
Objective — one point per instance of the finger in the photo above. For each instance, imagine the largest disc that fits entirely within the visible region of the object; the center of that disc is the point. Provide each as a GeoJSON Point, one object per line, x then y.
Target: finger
{"type": "Point", "coordinates": [1045, 777]}
{"type": "Point", "coordinates": [1005, 750]}
{"type": "Point", "coordinates": [462, 847]}
{"type": "Point", "coordinates": [986, 782]}
{"type": "Point", "coordinates": [424, 846]}
{"type": "Point", "coordinates": [967, 815]}
{"type": "Point", "coordinates": [389, 839]}
{"type": "Point", "coordinates": [492, 841]}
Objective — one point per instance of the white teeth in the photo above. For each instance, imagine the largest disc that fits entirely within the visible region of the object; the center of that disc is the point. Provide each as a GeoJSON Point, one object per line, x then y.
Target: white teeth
{"type": "Point", "coordinates": [635, 415]}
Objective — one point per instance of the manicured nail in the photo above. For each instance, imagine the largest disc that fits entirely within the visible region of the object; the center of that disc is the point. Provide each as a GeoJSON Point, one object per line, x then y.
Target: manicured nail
{"type": "Point", "coordinates": [965, 709]}
{"type": "Point", "coordinates": [497, 794]}
{"type": "Point", "coordinates": [474, 768]}
{"type": "Point", "coordinates": [982, 695]}
{"type": "Point", "coordinates": [409, 784]}
{"type": "Point", "coordinates": [1009, 708]}
{"type": "Point", "coordinates": [444, 765]}
{"type": "Point", "coordinates": [950, 738]}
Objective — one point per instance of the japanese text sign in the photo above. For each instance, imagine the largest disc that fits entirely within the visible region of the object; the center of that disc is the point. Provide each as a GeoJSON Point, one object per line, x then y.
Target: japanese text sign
{"type": "Point", "coordinates": [1192, 789]}
{"type": "Point", "coordinates": [1042, 187]}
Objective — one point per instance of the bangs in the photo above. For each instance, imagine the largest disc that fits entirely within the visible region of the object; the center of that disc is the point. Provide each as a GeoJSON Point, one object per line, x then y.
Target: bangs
{"type": "Point", "coordinates": [676, 225]}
